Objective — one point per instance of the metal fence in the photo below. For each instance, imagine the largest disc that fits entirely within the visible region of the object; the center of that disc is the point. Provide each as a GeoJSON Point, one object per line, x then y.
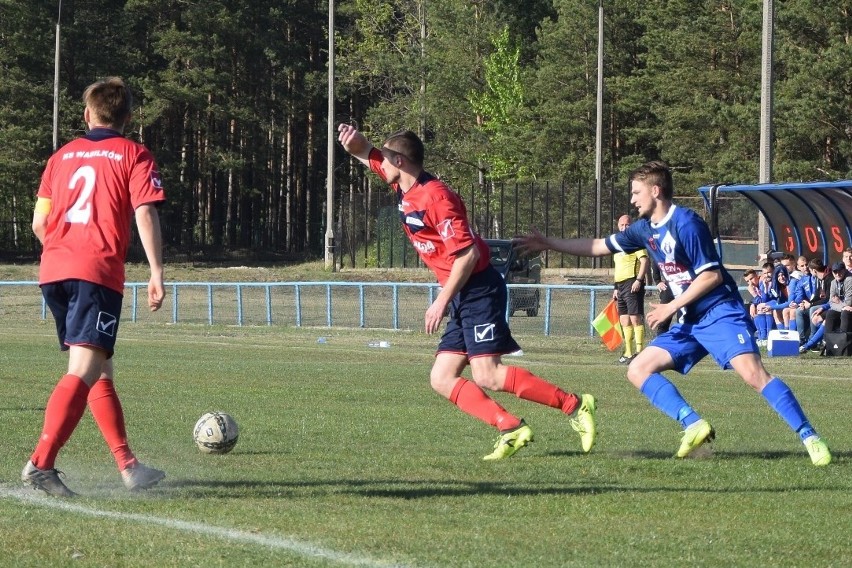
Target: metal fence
{"type": "Point", "coordinates": [565, 310]}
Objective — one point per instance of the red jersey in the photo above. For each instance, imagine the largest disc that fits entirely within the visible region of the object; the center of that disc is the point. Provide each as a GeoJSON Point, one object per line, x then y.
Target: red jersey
{"type": "Point", "coordinates": [435, 219]}
{"type": "Point", "coordinates": [94, 183]}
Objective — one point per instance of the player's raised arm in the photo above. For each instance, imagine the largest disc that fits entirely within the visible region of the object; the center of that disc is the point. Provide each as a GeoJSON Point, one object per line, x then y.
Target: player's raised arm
{"type": "Point", "coordinates": [536, 242]}
{"type": "Point", "coordinates": [354, 142]}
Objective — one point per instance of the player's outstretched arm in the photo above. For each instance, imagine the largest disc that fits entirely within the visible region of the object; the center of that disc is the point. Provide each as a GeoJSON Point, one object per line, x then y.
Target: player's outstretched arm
{"type": "Point", "coordinates": [354, 142]}
{"type": "Point", "coordinates": [148, 223]}
{"type": "Point", "coordinates": [536, 242]}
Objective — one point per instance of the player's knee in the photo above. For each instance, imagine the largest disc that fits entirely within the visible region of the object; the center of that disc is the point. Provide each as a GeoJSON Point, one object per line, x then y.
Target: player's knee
{"type": "Point", "coordinates": [487, 381]}
{"type": "Point", "coordinates": [438, 379]}
{"type": "Point", "coordinates": [756, 378]}
{"type": "Point", "coordinates": [442, 384]}
{"type": "Point", "coordinates": [637, 373]}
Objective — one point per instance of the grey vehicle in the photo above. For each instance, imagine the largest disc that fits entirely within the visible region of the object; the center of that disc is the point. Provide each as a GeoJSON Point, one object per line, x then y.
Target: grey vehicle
{"type": "Point", "coordinates": [517, 269]}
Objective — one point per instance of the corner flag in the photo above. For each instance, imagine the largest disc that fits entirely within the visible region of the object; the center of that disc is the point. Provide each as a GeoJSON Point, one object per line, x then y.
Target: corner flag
{"type": "Point", "coordinates": [606, 324]}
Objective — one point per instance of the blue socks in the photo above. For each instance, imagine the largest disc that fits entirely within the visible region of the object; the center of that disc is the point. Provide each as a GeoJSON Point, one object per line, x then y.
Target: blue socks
{"type": "Point", "coordinates": [665, 396]}
{"type": "Point", "coordinates": [783, 401]}
{"type": "Point", "coordinates": [764, 323]}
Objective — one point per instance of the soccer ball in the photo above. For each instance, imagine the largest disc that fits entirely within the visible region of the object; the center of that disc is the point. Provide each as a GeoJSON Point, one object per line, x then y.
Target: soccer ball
{"type": "Point", "coordinates": [216, 433]}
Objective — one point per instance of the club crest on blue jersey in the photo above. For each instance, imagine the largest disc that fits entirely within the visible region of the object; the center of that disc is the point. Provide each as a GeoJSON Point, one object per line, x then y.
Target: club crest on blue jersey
{"type": "Point", "coordinates": [667, 245]}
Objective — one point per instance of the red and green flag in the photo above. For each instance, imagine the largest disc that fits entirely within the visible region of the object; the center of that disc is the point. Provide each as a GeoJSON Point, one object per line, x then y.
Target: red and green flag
{"type": "Point", "coordinates": [607, 326]}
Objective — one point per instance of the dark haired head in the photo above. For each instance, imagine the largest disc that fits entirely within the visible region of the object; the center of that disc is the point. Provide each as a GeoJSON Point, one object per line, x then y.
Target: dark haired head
{"type": "Point", "coordinates": [406, 143]}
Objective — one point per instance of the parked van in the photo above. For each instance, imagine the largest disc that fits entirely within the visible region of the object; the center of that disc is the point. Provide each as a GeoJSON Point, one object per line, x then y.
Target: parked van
{"type": "Point", "coordinates": [517, 269]}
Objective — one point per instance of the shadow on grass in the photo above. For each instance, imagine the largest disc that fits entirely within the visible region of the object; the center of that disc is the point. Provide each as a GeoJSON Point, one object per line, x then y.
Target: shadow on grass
{"type": "Point", "coordinates": [383, 488]}
{"type": "Point", "coordinates": [421, 489]}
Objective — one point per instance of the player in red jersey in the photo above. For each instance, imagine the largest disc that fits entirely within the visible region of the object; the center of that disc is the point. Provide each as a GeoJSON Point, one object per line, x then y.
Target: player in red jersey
{"type": "Point", "coordinates": [435, 220]}
{"type": "Point", "coordinates": [89, 191]}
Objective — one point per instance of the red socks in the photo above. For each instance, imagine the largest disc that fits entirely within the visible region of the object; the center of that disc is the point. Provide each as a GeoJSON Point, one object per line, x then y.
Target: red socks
{"type": "Point", "coordinates": [64, 409]}
{"type": "Point", "coordinates": [524, 384]}
{"type": "Point", "coordinates": [469, 398]}
{"type": "Point", "coordinates": [106, 409]}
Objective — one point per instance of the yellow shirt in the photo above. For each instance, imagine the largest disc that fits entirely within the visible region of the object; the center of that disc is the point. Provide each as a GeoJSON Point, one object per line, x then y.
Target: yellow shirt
{"type": "Point", "coordinates": [626, 264]}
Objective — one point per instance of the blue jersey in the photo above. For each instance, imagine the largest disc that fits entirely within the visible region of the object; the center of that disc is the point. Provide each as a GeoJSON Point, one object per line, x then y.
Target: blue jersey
{"type": "Point", "coordinates": [764, 293]}
{"type": "Point", "coordinates": [806, 288]}
{"type": "Point", "coordinates": [682, 247]}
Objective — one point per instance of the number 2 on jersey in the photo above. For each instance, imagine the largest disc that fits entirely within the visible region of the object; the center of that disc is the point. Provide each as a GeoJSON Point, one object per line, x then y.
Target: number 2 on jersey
{"type": "Point", "coordinates": [81, 211]}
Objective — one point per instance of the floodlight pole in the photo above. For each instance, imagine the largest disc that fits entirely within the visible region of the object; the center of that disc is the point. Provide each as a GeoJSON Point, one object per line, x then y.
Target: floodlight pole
{"type": "Point", "coordinates": [766, 104]}
{"type": "Point", "coordinates": [56, 82]}
{"type": "Point", "coordinates": [329, 189]}
{"type": "Point", "coordinates": [599, 132]}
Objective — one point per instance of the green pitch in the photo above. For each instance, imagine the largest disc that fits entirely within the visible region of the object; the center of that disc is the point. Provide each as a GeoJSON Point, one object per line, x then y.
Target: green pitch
{"type": "Point", "coordinates": [346, 457]}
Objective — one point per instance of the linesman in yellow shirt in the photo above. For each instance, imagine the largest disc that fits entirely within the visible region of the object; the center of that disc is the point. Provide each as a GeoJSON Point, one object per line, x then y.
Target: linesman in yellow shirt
{"type": "Point", "coordinates": [630, 270]}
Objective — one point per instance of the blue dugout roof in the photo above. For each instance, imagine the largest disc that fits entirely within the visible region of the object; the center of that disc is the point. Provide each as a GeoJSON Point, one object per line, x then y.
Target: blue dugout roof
{"type": "Point", "coordinates": [813, 219]}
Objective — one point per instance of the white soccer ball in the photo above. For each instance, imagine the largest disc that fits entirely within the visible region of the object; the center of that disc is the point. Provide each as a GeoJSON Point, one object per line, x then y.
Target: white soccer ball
{"type": "Point", "coordinates": [216, 433]}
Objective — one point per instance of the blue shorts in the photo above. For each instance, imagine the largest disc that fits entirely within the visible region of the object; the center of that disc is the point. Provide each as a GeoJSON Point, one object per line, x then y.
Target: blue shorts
{"type": "Point", "coordinates": [86, 314]}
{"type": "Point", "coordinates": [477, 325]}
{"type": "Point", "coordinates": [725, 331]}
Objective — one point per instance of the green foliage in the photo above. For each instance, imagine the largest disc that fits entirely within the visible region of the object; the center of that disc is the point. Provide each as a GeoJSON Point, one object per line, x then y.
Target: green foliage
{"type": "Point", "coordinates": [813, 123]}
{"type": "Point", "coordinates": [231, 97]}
{"type": "Point", "coordinates": [498, 107]}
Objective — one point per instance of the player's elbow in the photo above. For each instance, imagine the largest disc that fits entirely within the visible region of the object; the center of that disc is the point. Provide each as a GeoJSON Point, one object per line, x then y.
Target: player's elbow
{"type": "Point", "coordinates": [39, 227]}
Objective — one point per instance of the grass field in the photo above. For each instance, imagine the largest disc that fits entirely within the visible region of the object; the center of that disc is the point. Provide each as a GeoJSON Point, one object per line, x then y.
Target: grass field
{"type": "Point", "coordinates": [346, 457]}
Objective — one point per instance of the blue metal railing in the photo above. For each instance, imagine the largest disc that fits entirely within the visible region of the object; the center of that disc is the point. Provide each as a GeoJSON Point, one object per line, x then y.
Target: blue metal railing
{"type": "Point", "coordinates": [185, 297]}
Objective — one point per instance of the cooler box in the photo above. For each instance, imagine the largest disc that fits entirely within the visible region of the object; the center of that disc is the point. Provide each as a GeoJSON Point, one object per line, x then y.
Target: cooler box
{"type": "Point", "coordinates": [783, 343]}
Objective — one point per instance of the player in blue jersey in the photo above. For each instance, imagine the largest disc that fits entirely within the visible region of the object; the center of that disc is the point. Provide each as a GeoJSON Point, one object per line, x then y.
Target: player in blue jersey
{"type": "Point", "coordinates": [713, 318]}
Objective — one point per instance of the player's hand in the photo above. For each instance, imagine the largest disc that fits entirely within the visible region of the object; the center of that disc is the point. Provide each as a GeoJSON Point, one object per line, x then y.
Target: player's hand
{"type": "Point", "coordinates": [156, 293]}
{"type": "Point", "coordinates": [659, 313]}
{"type": "Point", "coordinates": [528, 245]}
{"type": "Point", "coordinates": [434, 315]}
{"type": "Point", "coordinates": [352, 141]}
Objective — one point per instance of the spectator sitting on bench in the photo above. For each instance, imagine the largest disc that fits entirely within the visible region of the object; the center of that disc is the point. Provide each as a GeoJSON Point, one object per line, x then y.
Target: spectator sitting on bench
{"type": "Point", "coordinates": [838, 318]}
{"type": "Point", "coordinates": [752, 282]}
{"type": "Point", "coordinates": [819, 283]}
{"type": "Point", "coordinates": [778, 297]}
{"type": "Point", "coordinates": [799, 290]}
{"type": "Point", "coordinates": [835, 316]}
{"type": "Point", "coordinates": [763, 319]}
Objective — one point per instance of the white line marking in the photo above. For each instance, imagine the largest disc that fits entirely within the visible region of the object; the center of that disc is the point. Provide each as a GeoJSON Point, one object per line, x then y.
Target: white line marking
{"type": "Point", "coordinates": [295, 546]}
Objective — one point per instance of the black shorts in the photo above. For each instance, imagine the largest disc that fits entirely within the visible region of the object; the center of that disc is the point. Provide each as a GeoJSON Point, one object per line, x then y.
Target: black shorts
{"type": "Point", "coordinates": [86, 314]}
{"type": "Point", "coordinates": [477, 324]}
{"type": "Point", "coordinates": [629, 303]}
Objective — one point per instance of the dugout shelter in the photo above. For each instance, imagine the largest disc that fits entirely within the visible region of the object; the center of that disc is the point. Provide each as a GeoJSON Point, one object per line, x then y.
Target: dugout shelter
{"type": "Point", "coordinates": [813, 219]}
